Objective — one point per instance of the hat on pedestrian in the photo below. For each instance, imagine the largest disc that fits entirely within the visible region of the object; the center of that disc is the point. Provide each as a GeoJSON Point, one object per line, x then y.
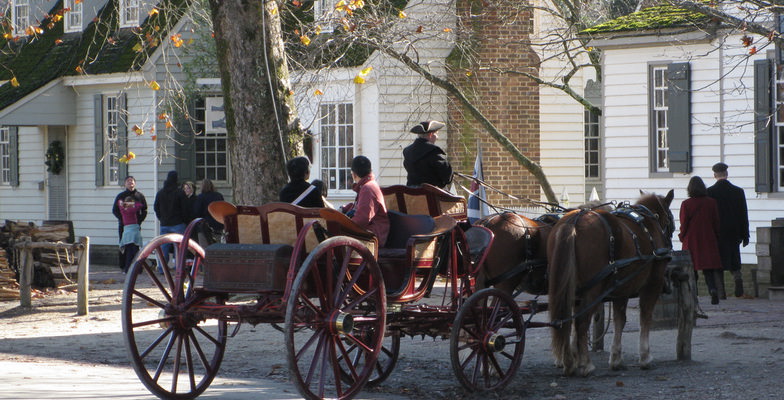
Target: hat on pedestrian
{"type": "Point", "coordinates": [427, 127]}
{"type": "Point", "coordinates": [720, 167]}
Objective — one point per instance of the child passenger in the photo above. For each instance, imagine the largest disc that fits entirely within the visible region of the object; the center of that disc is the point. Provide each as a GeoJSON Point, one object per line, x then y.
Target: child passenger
{"type": "Point", "coordinates": [132, 237]}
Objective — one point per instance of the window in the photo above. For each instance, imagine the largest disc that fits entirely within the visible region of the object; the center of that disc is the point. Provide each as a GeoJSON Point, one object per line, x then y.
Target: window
{"type": "Point", "coordinates": [5, 155]}
{"type": "Point", "coordinates": [111, 125]}
{"type": "Point", "coordinates": [592, 145]}
{"type": "Point", "coordinates": [670, 117]}
{"type": "Point", "coordinates": [73, 18]}
{"type": "Point", "coordinates": [21, 16]}
{"type": "Point", "coordinates": [129, 13]}
{"type": "Point", "coordinates": [336, 132]}
{"type": "Point", "coordinates": [659, 102]}
{"type": "Point", "coordinates": [210, 141]}
{"type": "Point", "coordinates": [324, 13]}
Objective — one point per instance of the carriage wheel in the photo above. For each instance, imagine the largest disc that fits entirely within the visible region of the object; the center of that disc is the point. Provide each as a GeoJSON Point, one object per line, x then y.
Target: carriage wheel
{"type": "Point", "coordinates": [387, 359]}
{"type": "Point", "coordinates": [332, 329]}
{"type": "Point", "coordinates": [175, 352]}
{"type": "Point", "coordinates": [488, 338]}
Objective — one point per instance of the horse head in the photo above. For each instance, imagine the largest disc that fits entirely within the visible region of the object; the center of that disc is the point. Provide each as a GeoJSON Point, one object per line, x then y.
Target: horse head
{"type": "Point", "coordinates": [660, 207]}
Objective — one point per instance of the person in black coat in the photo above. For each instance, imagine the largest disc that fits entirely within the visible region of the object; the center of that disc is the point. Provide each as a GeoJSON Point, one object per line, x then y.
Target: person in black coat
{"type": "Point", "coordinates": [130, 190]}
{"type": "Point", "coordinates": [171, 209]}
{"type": "Point", "coordinates": [424, 161]}
{"type": "Point", "coordinates": [213, 230]}
{"type": "Point", "coordinates": [298, 169]}
{"type": "Point", "coordinates": [733, 225]}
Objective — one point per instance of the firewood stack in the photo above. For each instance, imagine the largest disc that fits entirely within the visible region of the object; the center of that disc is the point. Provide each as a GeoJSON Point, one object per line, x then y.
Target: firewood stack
{"type": "Point", "coordinates": [9, 288]}
{"type": "Point", "coordinates": [56, 264]}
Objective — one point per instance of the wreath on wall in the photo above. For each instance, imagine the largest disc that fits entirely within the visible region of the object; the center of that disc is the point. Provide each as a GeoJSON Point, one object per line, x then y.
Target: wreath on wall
{"type": "Point", "coordinates": [55, 157]}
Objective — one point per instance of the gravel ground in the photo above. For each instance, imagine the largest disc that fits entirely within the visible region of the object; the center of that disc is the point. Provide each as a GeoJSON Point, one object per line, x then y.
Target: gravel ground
{"type": "Point", "coordinates": [737, 353]}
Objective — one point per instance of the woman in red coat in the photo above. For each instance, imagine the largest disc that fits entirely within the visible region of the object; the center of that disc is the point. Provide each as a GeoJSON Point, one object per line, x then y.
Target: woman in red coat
{"type": "Point", "coordinates": [370, 210]}
{"type": "Point", "coordinates": [700, 233]}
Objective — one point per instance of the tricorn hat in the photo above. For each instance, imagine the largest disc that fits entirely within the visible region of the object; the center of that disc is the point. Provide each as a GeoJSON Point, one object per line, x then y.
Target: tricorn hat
{"type": "Point", "coordinates": [720, 167]}
{"type": "Point", "coordinates": [427, 127]}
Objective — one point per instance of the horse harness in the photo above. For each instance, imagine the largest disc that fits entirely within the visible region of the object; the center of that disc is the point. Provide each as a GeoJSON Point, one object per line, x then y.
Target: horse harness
{"type": "Point", "coordinates": [637, 214]}
{"type": "Point", "coordinates": [529, 265]}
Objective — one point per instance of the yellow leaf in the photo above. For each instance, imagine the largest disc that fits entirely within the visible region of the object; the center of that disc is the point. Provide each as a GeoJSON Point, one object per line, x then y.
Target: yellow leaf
{"type": "Point", "coordinates": [469, 73]}
{"type": "Point", "coordinates": [7, 35]}
{"type": "Point", "coordinates": [79, 69]}
{"type": "Point", "coordinates": [401, 14]}
{"type": "Point", "coordinates": [447, 29]}
{"type": "Point", "coordinates": [78, 2]}
{"type": "Point", "coordinates": [131, 155]}
{"type": "Point", "coordinates": [318, 92]}
{"type": "Point", "coordinates": [123, 159]}
{"type": "Point", "coordinates": [57, 18]}
{"type": "Point", "coordinates": [138, 130]}
{"type": "Point", "coordinates": [163, 116]}
{"type": "Point", "coordinates": [274, 10]}
{"type": "Point", "coordinates": [359, 80]}
{"type": "Point", "coordinates": [14, 82]}
{"type": "Point", "coordinates": [153, 12]}
{"type": "Point", "coordinates": [29, 31]}
{"type": "Point", "coordinates": [304, 39]}
{"type": "Point", "coordinates": [154, 85]}
{"type": "Point", "coordinates": [318, 30]}
{"type": "Point", "coordinates": [365, 71]}
{"type": "Point", "coordinates": [138, 48]}
{"type": "Point", "coordinates": [169, 124]}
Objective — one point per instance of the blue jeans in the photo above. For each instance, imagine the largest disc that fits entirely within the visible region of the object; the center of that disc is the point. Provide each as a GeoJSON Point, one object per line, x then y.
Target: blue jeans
{"type": "Point", "coordinates": [168, 248]}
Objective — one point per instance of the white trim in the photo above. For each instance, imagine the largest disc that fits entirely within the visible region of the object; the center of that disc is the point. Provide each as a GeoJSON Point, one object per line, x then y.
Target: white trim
{"type": "Point", "coordinates": [627, 40]}
{"type": "Point", "coordinates": [24, 100]}
{"type": "Point", "coordinates": [125, 5]}
{"type": "Point", "coordinates": [208, 81]}
{"type": "Point", "coordinates": [104, 79]}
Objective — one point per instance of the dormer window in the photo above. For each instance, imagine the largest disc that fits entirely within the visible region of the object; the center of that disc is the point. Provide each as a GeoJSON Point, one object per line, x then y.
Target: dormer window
{"type": "Point", "coordinates": [73, 18]}
{"type": "Point", "coordinates": [129, 13]}
{"type": "Point", "coordinates": [324, 14]}
{"type": "Point", "coordinates": [20, 16]}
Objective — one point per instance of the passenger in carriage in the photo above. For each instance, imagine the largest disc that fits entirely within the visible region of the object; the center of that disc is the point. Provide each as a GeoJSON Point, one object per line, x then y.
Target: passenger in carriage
{"type": "Point", "coordinates": [370, 210]}
{"type": "Point", "coordinates": [298, 191]}
{"type": "Point", "coordinates": [424, 161]}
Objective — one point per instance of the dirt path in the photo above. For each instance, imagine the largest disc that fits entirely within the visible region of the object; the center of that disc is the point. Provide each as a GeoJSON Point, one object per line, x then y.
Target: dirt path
{"type": "Point", "coordinates": [737, 353]}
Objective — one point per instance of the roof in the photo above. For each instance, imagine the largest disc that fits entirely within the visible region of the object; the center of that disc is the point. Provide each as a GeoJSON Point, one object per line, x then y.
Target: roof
{"type": "Point", "coordinates": [101, 48]}
{"type": "Point", "coordinates": [652, 18]}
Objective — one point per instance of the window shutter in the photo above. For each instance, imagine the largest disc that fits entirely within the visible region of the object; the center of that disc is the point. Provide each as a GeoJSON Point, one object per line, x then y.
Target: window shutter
{"type": "Point", "coordinates": [13, 141]}
{"type": "Point", "coordinates": [679, 117]}
{"type": "Point", "coordinates": [185, 151]}
{"type": "Point", "coordinates": [763, 126]}
{"type": "Point", "coordinates": [122, 134]}
{"type": "Point", "coordinates": [99, 139]}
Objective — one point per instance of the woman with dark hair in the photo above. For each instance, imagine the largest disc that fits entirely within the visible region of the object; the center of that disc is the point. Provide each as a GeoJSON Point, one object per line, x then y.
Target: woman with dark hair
{"type": "Point", "coordinates": [699, 233]}
{"type": "Point", "coordinates": [207, 196]}
{"type": "Point", "coordinates": [370, 210]}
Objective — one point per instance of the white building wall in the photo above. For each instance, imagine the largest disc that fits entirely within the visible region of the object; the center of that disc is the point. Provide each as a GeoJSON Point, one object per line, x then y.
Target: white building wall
{"type": "Point", "coordinates": [722, 125]}
{"type": "Point", "coordinates": [27, 202]}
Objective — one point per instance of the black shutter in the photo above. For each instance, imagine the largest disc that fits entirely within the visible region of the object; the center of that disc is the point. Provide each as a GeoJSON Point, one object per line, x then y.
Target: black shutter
{"type": "Point", "coordinates": [763, 126]}
{"type": "Point", "coordinates": [185, 151]}
{"type": "Point", "coordinates": [13, 154]}
{"type": "Point", "coordinates": [122, 135]}
{"type": "Point", "coordinates": [679, 117]}
{"type": "Point", "coordinates": [99, 139]}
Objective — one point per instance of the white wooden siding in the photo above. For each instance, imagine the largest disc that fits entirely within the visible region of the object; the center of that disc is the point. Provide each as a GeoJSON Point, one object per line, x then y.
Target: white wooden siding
{"type": "Point", "coordinates": [27, 202]}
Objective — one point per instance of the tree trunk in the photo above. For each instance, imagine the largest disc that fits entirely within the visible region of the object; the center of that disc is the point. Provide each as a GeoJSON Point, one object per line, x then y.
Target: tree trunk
{"type": "Point", "coordinates": [261, 119]}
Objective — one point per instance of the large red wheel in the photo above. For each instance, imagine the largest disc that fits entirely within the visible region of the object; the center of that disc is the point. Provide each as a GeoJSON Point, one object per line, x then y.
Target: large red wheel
{"type": "Point", "coordinates": [387, 359]}
{"type": "Point", "coordinates": [488, 339]}
{"type": "Point", "coordinates": [335, 320]}
{"type": "Point", "coordinates": [175, 352]}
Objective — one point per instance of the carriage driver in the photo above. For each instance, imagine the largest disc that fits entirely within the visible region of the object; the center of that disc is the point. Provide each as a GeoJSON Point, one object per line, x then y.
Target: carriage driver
{"type": "Point", "coordinates": [424, 161]}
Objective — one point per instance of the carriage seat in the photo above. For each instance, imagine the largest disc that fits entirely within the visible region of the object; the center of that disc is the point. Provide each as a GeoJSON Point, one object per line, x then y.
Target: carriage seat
{"type": "Point", "coordinates": [424, 200]}
{"type": "Point", "coordinates": [403, 226]}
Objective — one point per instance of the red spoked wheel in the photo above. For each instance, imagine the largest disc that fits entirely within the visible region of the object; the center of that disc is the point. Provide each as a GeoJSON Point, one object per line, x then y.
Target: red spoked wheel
{"type": "Point", "coordinates": [175, 352]}
{"type": "Point", "coordinates": [335, 320]}
{"type": "Point", "coordinates": [387, 359]}
{"type": "Point", "coordinates": [488, 339]}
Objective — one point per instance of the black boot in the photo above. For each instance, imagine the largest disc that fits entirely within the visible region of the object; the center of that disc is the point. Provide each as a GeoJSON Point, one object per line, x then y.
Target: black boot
{"type": "Point", "coordinates": [714, 297]}
{"type": "Point", "coordinates": [738, 288]}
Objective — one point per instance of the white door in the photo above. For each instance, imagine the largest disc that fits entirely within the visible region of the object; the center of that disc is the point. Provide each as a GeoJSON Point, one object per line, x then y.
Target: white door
{"type": "Point", "coordinates": [57, 193]}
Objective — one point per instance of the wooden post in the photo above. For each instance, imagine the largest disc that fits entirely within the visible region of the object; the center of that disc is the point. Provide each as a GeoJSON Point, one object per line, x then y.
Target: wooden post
{"type": "Point", "coordinates": [83, 275]}
{"type": "Point", "coordinates": [26, 275]}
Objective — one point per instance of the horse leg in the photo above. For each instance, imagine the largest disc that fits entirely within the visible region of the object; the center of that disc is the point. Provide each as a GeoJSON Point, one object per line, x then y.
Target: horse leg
{"type": "Point", "coordinates": [619, 322]}
{"type": "Point", "coordinates": [584, 364]}
{"type": "Point", "coordinates": [647, 302]}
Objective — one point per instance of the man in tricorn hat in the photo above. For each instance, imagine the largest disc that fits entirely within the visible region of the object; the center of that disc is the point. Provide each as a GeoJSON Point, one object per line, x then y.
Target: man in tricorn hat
{"type": "Point", "coordinates": [733, 225]}
{"type": "Point", "coordinates": [424, 161]}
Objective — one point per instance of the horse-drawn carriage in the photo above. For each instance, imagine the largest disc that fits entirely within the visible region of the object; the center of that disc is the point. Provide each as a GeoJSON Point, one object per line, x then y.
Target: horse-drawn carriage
{"type": "Point", "coordinates": [341, 300]}
{"type": "Point", "coordinates": [344, 302]}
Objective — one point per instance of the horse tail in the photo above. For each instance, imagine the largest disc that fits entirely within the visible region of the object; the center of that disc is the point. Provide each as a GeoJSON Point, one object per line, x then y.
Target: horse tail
{"type": "Point", "coordinates": [562, 277]}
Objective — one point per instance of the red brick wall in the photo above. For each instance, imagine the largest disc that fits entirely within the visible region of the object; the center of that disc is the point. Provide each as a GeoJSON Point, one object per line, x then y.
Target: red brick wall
{"type": "Point", "coordinates": [496, 38]}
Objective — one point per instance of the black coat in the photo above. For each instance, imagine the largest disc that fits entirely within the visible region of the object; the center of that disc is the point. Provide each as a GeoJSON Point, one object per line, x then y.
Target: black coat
{"type": "Point", "coordinates": [171, 205]}
{"type": "Point", "coordinates": [426, 163]}
{"type": "Point", "coordinates": [201, 210]}
{"type": "Point", "coordinates": [294, 189]}
{"type": "Point", "coordinates": [733, 221]}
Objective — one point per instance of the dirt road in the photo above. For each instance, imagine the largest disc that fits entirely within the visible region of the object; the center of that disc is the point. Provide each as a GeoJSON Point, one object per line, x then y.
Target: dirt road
{"type": "Point", "coordinates": [49, 352]}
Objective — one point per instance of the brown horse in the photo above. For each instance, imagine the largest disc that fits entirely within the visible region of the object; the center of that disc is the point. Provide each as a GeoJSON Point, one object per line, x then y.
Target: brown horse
{"type": "Point", "coordinates": [517, 259]}
{"type": "Point", "coordinates": [597, 256]}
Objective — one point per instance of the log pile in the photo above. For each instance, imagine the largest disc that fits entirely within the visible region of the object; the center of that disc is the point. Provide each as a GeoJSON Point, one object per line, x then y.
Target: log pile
{"type": "Point", "coordinates": [49, 262]}
{"type": "Point", "coordinates": [9, 288]}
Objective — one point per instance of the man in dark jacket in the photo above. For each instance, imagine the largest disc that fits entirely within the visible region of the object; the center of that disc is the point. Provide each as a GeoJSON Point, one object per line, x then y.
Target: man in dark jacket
{"type": "Point", "coordinates": [424, 161]}
{"type": "Point", "coordinates": [733, 225]}
{"type": "Point", "coordinates": [130, 190]}
{"type": "Point", "coordinates": [171, 209]}
{"type": "Point", "coordinates": [298, 191]}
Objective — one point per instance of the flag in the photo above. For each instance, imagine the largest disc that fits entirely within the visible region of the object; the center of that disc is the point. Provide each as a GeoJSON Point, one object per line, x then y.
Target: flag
{"type": "Point", "coordinates": [477, 208]}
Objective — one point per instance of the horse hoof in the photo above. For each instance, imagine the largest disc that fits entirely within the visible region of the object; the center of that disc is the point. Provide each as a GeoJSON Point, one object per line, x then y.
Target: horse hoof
{"type": "Point", "coordinates": [618, 367]}
{"type": "Point", "coordinates": [587, 370]}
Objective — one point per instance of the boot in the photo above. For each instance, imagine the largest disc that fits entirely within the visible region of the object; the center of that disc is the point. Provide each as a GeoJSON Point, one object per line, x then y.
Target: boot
{"type": "Point", "coordinates": [720, 284]}
{"type": "Point", "coordinates": [714, 297]}
{"type": "Point", "coordinates": [738, 287]}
